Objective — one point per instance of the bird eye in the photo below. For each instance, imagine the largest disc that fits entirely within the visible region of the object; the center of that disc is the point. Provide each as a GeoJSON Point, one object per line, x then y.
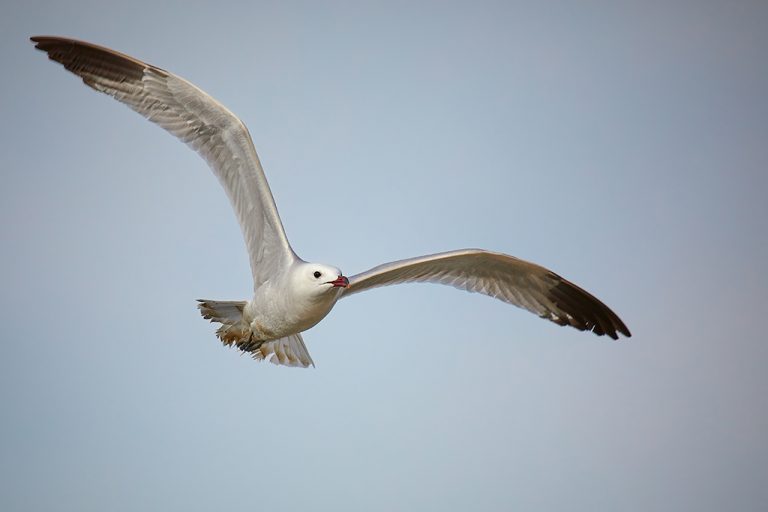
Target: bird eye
{"type": "Point", "coordinates": [317, 274]}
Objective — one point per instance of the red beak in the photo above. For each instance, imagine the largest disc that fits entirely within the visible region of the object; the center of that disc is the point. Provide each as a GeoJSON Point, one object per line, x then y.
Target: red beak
{"type": "Point", "coordinates": [340, 282]}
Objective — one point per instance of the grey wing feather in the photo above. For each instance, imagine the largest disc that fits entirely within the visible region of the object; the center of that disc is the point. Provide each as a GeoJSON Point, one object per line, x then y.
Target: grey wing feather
{"type": "Point", "coordinates": [512, 280]}
{"type": "Point", "coordinates": [199, 121]}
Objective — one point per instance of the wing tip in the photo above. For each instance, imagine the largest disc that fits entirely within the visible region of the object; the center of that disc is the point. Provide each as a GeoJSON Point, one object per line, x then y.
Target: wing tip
{"type": "Point", "coordinates": [585, 312]}
{"type": "Point", "coordinates": [46, 43]}
{"type": "Point", "coordinates": [99, 62]}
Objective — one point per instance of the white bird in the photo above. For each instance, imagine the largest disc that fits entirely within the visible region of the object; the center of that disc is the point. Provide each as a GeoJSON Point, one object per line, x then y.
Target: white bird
{"type": "Point", "coordinates": [291, 295]}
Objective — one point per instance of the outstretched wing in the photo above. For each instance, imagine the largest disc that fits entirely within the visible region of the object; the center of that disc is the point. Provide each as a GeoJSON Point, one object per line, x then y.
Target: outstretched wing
{"type": "Point", "coordinates": [202, 123]}
{"type": "Point", "coordinates": [503, 277]}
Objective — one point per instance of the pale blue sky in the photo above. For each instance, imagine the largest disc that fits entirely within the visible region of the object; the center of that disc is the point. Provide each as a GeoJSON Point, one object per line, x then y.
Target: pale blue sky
{"type": "Point", "coordinates": [622, 144]}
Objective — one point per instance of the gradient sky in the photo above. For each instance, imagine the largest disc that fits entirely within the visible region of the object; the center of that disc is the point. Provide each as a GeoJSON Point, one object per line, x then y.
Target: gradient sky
{"type": "Point", "coordinates": [622, 144]}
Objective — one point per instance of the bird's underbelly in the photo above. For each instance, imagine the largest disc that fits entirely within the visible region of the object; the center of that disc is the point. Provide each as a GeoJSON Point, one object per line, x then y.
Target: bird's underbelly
{"type": "Point", "coordinates": [271, 323]}
{"type": "Point", "coordinates": [268, 329]}
{"type": "Point", "coordinates": [266, 332]}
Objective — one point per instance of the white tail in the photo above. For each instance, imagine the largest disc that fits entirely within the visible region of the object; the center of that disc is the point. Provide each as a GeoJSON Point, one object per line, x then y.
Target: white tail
{"type": "Point", "coordinates": [288, 351]}
{"type": "Point", "coordinates": [234, 330]}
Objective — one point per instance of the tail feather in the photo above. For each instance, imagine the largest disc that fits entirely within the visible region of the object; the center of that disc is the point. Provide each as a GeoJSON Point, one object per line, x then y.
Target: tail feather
{"type": "Point", "coordinates": [288, 351]}
{"type": "Point", "coordinates": [234, 330]}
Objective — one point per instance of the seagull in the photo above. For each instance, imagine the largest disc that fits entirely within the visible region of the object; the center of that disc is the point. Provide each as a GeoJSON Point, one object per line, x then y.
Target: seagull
{"type": "Point", "coordinates": [290, 294]}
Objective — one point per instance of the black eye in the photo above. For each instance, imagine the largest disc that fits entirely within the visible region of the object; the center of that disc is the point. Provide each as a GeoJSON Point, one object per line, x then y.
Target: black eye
{"type": "Point", "coordinates": [317, 274]}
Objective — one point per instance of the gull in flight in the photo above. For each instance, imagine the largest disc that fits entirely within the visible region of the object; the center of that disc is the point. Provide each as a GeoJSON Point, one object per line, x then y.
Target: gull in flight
{"type": "Point", "coordinates": [290, 294]}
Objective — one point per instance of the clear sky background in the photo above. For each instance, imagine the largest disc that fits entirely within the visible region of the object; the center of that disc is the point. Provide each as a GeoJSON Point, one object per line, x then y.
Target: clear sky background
{"type": "Point", "coordinates": [622, 144]}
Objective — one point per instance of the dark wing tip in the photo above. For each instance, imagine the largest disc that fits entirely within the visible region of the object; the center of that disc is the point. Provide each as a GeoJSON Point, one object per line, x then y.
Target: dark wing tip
{"type": "Point", "coordinates": [585, 312]}
{"type": "Point", "coordinates": [91, 61]}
